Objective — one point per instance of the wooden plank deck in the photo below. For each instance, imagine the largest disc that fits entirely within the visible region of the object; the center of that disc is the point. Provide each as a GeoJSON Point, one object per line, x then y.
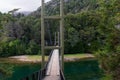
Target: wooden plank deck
{"type": "Point", "coordinates": [53, 70]}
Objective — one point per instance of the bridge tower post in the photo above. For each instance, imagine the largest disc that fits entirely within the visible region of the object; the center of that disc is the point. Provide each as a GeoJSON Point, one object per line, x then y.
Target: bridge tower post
{"type": "Point", "coordinates": [42, 35]}
{"type": "Point", "coordinates": [62, 33]}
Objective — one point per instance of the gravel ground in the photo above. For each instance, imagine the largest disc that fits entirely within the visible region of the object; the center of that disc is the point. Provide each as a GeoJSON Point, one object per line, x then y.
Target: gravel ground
{"type": "Point", "coordinates": [24, 58]}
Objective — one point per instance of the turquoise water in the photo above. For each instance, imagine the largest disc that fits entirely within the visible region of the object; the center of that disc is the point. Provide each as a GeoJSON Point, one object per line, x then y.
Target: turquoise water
{"type": "Point", "coordinates": [80, 70]}
{"type": "Point", "coordinates": [83, 70]}
{"type": "Point", "coordinates": [19, 71]}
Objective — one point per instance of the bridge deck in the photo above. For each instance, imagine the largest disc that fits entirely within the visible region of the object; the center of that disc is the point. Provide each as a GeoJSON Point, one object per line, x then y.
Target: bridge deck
{"type": "Point", "coordinates": [53, 70]}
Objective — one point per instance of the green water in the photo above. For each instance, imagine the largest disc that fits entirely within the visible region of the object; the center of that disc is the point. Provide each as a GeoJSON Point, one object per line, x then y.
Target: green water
{"type": "Point", "coordinates": [18, 71]}
{"type": "Point", "coordinates": [80, 70]}
{"type": "Point", "coordinates": [83, 70]}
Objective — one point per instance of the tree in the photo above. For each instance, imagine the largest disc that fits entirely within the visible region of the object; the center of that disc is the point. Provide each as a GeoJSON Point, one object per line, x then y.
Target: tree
{"type": "Point", "coordinates": [109, 55]}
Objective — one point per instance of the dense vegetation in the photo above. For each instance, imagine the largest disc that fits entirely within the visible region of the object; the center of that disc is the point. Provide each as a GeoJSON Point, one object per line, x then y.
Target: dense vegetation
{"type": "Point", "coordinates": [21, 34]}
{"type": "Point", "coordinates": [17, 35]}
{"type": "Point", "coordinates": [109, 53]}
{"type": "Point", "coordinates": [90, 26]}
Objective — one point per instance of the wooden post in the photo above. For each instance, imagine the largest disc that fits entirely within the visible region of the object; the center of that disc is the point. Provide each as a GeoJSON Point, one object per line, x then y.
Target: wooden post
{"type": "Point", "coordinates": [42, 33]}
{"type": "Point", "coordinates": [58, 39]}
{"type": "Point", "coordinates": [55, 39]}
{"type": "Point", "coordinates": [62, 34]}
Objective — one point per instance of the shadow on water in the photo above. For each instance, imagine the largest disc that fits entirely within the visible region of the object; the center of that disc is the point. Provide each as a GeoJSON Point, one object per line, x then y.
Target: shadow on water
{"type": "Point", "coordinates": [0, 74]}
{"type": "Point", "coordinates": [83, 70]}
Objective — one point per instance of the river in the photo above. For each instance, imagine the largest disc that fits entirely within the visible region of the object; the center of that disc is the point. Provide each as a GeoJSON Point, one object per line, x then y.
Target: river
{"type": "Point", "coordinates": [79, 70]}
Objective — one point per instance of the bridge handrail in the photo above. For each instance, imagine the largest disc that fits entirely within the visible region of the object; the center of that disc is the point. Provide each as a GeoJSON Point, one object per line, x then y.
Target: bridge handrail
{"type": "Point", "coordinates": [37, 75]}
{"type": "Point", "coordinates": [62, 75]}
{"type": "Point", "coordinates": [33, 76]}
{"type": "Point", "coordinates": [48, 60]}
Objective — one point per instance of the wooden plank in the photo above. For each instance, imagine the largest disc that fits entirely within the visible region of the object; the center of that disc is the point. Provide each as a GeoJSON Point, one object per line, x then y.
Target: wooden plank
{"type": "Point", "coordinates": [52, 17]}
{"type": "Point", "coordinates": [52, 78]}
{"type": "Point", "coordinates": [52, 47]}
{"type": "Point", "coordinates": [53, 70]}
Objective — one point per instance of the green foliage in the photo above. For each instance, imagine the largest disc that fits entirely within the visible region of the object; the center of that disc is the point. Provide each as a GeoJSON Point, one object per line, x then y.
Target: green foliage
{"type": "Point", "coordinates": [11, 48]}
{"type": "Point", "coordinates": [107, 77]}
{"type": "Point", "coordinates": [6, 70]}
{"type": "Point", "coordinates": [93, 29]}
{"type": "Point", "coordinates": [81, 32]}
{"type": "Point", "coordinates": [109, 54]}
{"type": "Point", "coordinates": [4, 49]}
{"type": "Point", "coordinates": [21, 34]}
{"type": "Point", "coordinates": [16, 34]}
{"type": "Point", "coordinates": [33, 48]}
{"type": "Point", "coordinates": [17, 47]}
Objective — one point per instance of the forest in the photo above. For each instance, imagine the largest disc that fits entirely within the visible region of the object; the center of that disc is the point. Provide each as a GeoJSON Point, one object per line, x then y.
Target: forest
{"type": "Point", "coordinates": [91, 26]}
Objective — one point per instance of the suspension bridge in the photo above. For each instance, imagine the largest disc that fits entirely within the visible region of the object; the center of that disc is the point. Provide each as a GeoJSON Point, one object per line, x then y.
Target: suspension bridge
{"type": "Point", "coordinates": [53, 69]}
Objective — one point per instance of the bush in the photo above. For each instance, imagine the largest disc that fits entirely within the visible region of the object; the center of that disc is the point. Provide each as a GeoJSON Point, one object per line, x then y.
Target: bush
{"type": "Point", "coordinates": [33, 48]}
{"type": "Point", "coordinates": [109, 62]}
{"type": "Point", "coordinates": [17, 47]}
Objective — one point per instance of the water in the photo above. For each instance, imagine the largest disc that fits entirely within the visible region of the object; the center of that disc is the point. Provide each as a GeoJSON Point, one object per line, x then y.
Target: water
{"type": "Point", "coordinates": [0, 74]}
{"type": "Point", "coordinates": [80, 70]}
{"type": "Point", "coordinates": [83, 70]}
{"type": "Point", "coordinates": [19, 71]}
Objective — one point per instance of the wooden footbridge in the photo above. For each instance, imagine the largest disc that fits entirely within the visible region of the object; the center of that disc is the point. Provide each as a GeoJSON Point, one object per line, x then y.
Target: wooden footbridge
{"type": "Point", "coordinates": [53, 69]}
